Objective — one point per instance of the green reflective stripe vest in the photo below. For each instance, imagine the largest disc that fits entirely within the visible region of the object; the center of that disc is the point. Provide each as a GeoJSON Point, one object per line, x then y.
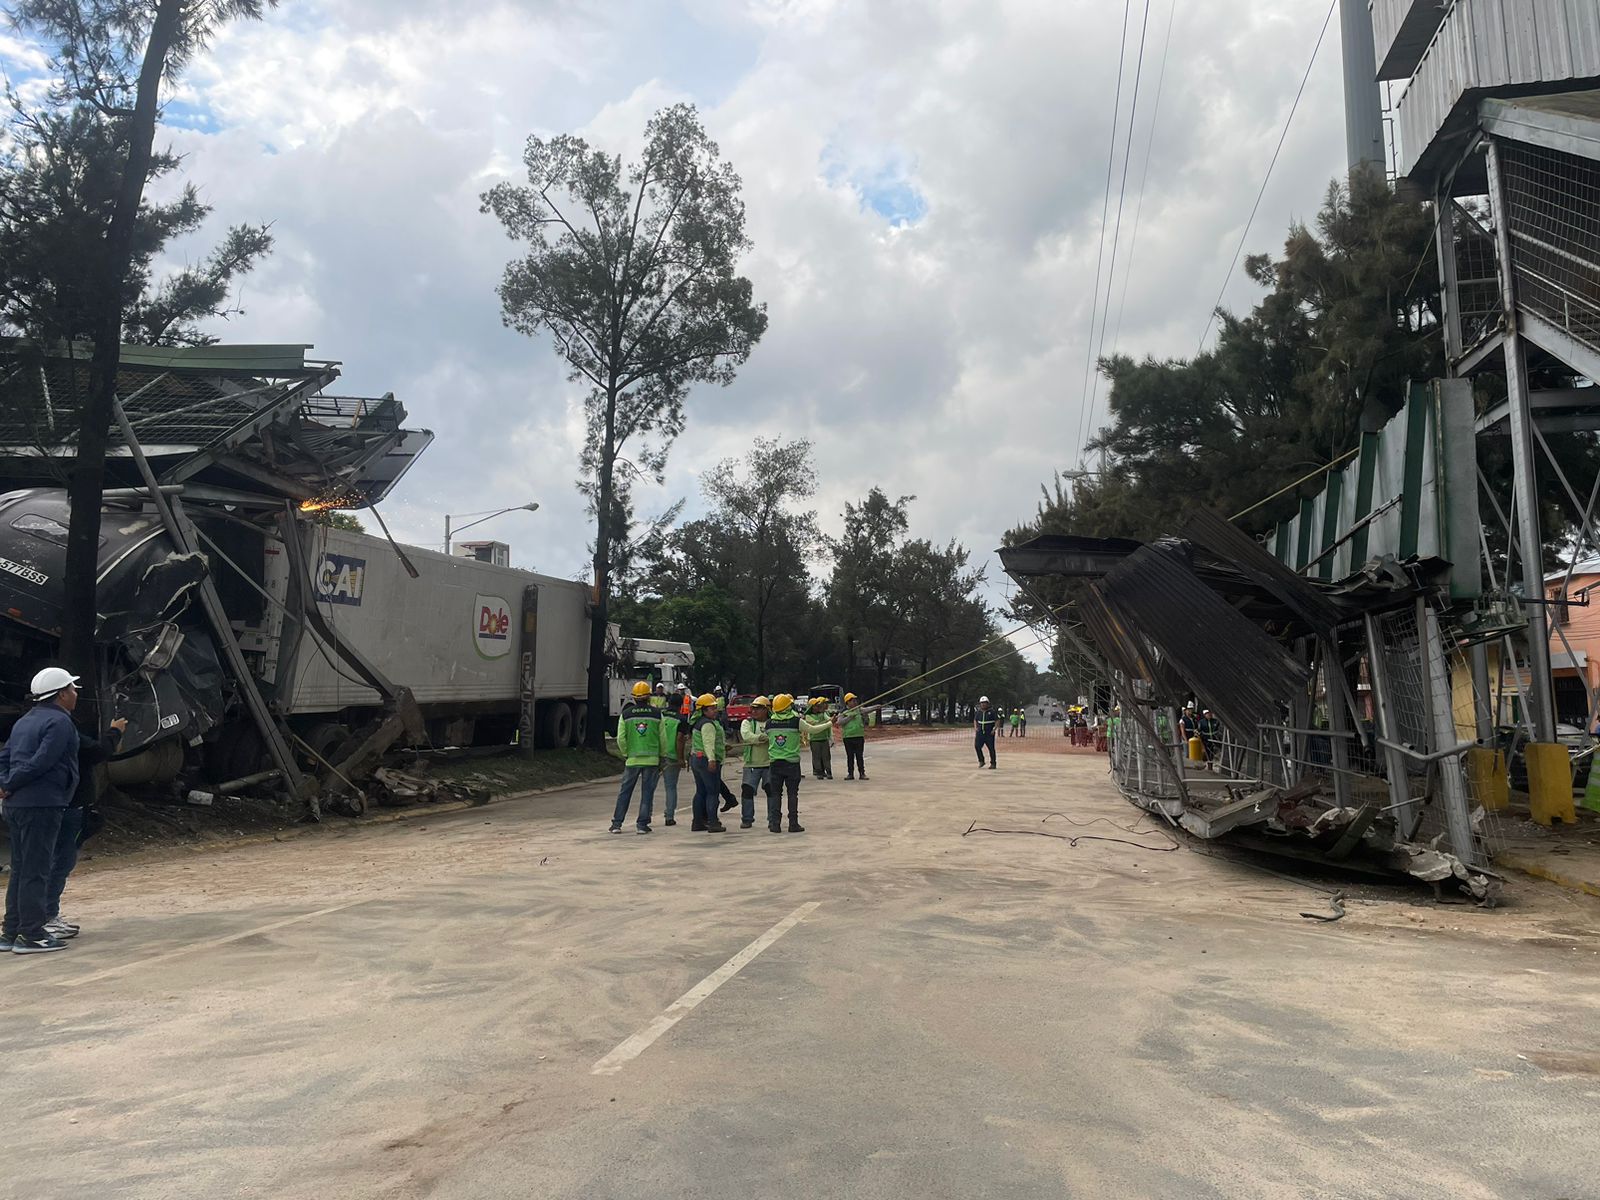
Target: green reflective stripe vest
{"type": "Point", "coordinates": [640, 736]}
{"type": "Point", "coordinates": [708, 738]}
{"type": "Point", "coordinates": [816, 732]}
{"type": "Point", "coordinates": [671, 723]}
{"type": "Point", "coordinates": [753, 734]}
{"type": "Point", "coordinates": [783, 737]}
{"type": "Point", "coordinates": [985, 720]}
{"type": "Point", "coordinates": [853, 723]}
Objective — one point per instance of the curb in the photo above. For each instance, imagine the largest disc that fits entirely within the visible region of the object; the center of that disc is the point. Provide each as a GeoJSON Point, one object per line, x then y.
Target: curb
{"type": "Point", "coordinates": [1539, 871]}
{"type": "Point", "coordinates": [385, 817]}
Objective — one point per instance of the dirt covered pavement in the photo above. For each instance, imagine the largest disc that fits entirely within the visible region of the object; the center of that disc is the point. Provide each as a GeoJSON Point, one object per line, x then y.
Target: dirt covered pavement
{"type": "Point", "coordinates": [507, 1001]}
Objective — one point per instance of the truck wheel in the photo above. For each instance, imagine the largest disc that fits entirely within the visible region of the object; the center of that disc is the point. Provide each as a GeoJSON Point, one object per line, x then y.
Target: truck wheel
{"type": "Point", "coordinates": [330, 740]}
{"type": "Point", "coordinates": [557, 725]}
{"type": "Point", "coordinates": [580, 724]}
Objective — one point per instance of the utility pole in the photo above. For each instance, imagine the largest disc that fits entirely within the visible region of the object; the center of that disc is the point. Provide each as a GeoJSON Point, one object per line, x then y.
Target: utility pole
{"type": "Point", "coordinates": [1363, 104]}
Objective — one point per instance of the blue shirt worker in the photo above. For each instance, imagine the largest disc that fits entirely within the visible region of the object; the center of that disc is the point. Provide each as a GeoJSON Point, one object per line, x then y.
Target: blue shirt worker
{"type": "Point", "coordinates": [984, 722]}
{"type": "Point", "coordinates": [642, 742]}
{"type": "Point", "coordinates": [38, 776]}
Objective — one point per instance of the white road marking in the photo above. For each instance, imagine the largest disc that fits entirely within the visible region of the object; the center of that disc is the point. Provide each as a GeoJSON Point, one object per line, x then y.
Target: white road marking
{"type": "Point", "coordinates": [636, 1045]}
{"type": "Point", "coordinates": [210, 945]}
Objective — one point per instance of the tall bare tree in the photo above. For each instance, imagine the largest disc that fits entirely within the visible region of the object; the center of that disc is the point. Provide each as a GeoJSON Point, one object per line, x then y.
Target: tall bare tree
{"type": "Point", "coordinates": [632, 272]}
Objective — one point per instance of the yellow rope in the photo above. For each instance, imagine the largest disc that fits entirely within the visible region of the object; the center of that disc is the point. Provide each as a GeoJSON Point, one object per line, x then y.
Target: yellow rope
{"type": "Point", "coordinates": [1304, 478]}
{"type": "Point", "coordinates": [900, 687]}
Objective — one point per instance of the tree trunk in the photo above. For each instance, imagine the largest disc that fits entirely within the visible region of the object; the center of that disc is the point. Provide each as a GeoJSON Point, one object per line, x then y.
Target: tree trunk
{"type": "Point", "coordinates": [599, 681]}
{"type": "Point", "coordinates": [86, 479]}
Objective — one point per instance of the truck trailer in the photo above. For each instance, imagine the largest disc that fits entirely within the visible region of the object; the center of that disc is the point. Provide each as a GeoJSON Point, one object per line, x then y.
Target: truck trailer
{"type": "Point", "coordinates": [249, 641]}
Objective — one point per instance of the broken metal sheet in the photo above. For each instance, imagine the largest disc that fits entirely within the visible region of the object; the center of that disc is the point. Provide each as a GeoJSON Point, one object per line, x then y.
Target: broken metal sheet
{"type": "Point", "coordinates": [1245, 676]}
{"type": "Point", "coordinates": [1251, 559]}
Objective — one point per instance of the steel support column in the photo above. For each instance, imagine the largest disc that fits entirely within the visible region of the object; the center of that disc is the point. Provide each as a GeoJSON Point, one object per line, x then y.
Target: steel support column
{"type": "Point", "coordinates": [1541, 693]}
{"type": "Point", "coordinates": [1406, 813]}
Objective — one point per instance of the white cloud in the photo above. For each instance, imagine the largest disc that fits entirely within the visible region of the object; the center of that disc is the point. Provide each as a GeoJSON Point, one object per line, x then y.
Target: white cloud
{"type": "Point", "coordinates": [943, 357]}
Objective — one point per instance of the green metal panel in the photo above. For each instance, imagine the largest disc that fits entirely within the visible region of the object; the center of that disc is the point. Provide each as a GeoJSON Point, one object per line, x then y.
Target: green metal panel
{"type": "Point", "coordinates": [1332, 498]}
{"type": "Point", "coordinates": [1280, 543]}
{"type": "Point", "coordinates": [1366, 472]}
{"type": "Point", "coordinates": [1416, 427]}
{"type": "Point", "coordinates": [1308, 521]}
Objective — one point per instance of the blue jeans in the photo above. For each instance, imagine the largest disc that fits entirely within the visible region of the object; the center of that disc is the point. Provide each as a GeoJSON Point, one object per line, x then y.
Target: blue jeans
{"type": "Point", "coordinates": [66, 857]}
{"type": "Point", "coordinates": [647, 794]}
{"type": "Point", "coordinates": [33, 847]}
{"type": "Point", "coordinates": [669, 784]}
{"type": "Point", "coordinates": [755, 780]}
{"type": "Point", "coordinates": [706, 779]}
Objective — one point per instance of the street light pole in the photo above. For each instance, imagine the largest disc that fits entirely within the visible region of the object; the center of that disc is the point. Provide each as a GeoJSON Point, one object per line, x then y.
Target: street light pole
{"type": "Point", "coordinates": [487, 515]}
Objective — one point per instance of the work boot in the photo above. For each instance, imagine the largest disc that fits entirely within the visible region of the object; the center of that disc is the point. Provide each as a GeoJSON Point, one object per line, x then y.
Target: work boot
{"type": "Point", "coordinates": [743, 824]}
{"type": "Point", "coordinates": [671, 821]}
{"type": "Point", "coordinates": [719, 827]}
{"type": "Point", "coordinates": [849, 776]}
{"type": "Point", "coordinates": [774, 827]}
{"type": "Point", "coordinates": [729, 805]}
{"type": "Point", "coordinates": [698, 826]}
{"type": "Point", "coordinates": [863, 777]}
{"type": "Point", "coordinates": [795, 826]}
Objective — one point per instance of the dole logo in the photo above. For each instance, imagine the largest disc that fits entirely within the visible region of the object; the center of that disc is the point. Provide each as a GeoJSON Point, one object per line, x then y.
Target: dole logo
{"type": "Point", "coordinates": [491, 632]}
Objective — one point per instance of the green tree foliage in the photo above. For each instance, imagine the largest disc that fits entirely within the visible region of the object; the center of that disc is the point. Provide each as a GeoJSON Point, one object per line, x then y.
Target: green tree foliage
{"type": "Point", "coordinates": [1349, 316]}
{"type": "Point", "coordinates": [77, 238]}
{"type": "Point", "coordinates": [865, 591]}
{"type": "Point", "coordinates": [756, 544]}
{"type": "Point", "coordinates": [632, 272]}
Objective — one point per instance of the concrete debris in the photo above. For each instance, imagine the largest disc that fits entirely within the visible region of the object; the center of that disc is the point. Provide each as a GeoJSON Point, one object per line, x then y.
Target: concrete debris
{"type": "Point", "coordinates": [1433, 865]}
{"type": "Point", "coordinates": [392, 789]}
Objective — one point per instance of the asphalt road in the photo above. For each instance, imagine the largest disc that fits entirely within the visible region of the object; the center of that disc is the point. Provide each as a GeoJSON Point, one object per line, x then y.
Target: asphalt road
{"type": "Point", "coordinates": [510, 1002]}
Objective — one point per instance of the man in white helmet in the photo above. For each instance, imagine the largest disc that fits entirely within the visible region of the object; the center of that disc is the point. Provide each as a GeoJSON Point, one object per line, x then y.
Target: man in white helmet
{"type": "Point", "coordinates": [38, 776]}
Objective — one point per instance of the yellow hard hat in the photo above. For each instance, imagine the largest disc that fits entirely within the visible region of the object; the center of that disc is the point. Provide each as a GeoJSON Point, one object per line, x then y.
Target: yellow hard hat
{"type": "Point", "coordinates": [782, 702]}
{"type": "Point", "coordinates": [818, 701]}
{"type": "Point", "coordinates": [849, 697]}
{"type": "Point", "coordinates": [707, 700]}
{"type": "Point", "coordinates": [641, 688]}
{"type": "Point", "coordinates": [760, 702]}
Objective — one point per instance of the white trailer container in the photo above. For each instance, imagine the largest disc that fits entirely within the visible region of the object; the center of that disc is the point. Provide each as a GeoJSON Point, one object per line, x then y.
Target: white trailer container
{"type": "Point", "coordinates": [482, 648]}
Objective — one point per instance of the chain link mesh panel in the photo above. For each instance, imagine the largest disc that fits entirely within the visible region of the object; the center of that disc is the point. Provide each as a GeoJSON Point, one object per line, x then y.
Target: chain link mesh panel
{"type": "Point", "coordinates": [1553, 218]}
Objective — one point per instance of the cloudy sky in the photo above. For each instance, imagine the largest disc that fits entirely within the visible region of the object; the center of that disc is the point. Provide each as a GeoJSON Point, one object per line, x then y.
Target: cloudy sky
{"type": "Point", "coordinates": [924, 182]}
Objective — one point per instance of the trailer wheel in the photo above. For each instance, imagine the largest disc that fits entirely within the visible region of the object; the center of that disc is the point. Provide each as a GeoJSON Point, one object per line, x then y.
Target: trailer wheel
{"type": "Point", "coordinates": [329, 741]}
{"type": "Point", "coordinates": [556, 725]}
{"type": "Point", "coordinates": [580, 724]}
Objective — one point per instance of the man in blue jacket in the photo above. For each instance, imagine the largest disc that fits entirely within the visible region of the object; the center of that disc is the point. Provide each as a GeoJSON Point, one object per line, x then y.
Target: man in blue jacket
{"type": "Point", "coordinates": [38, 776]}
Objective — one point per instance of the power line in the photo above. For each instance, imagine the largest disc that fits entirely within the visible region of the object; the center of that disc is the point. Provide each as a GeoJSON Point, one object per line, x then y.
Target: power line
{"type": "Point", "coordinates": [1212, 317]}
{"type": "Point", "coordinates": [1122, 195]}
{"type": "Point", "coordinates": [1105, 212]}
{"type": "Point", "coordinates": [1144, 177]}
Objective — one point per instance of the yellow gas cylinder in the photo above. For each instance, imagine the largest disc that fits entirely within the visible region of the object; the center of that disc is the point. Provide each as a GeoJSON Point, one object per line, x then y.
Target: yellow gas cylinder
{"type": "Point", "coordinates": [1549, 783]}
{"type": "Point", "coordinates": [1197, 750]}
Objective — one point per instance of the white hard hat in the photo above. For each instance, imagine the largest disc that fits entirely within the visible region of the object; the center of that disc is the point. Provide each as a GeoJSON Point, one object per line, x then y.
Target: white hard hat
{"type": "Point", "coordinates": [983, 699]}
{"type": "Point", "coordinates": [50, 681]}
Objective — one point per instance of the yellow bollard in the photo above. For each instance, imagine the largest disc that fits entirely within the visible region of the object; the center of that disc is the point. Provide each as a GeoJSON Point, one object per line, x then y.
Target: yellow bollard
{"type": "Point", "coordinates": [1486, 773]}
{"type": "Point", "coordinates": [1197, 750]}
{"type": "Point", "coordinates": [1550, 783]}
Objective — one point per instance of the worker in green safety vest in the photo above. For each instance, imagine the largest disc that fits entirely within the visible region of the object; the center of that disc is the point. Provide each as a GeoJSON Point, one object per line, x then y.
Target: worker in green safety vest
{"type": "Point", "coordinates": [641, 741]}
{"type": "Point", "coordinates": [786, 730]}
{"type": "Point", "coordinates": [757, 760]}
{"type": "Point", "coordinates": [853, 730]}
{"type": "Point", "coordinates": [706, 748]}
{"type": "Point", "coordinates": [821, 738]}
{"type": "Point", "coordinates": [676, 735]}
